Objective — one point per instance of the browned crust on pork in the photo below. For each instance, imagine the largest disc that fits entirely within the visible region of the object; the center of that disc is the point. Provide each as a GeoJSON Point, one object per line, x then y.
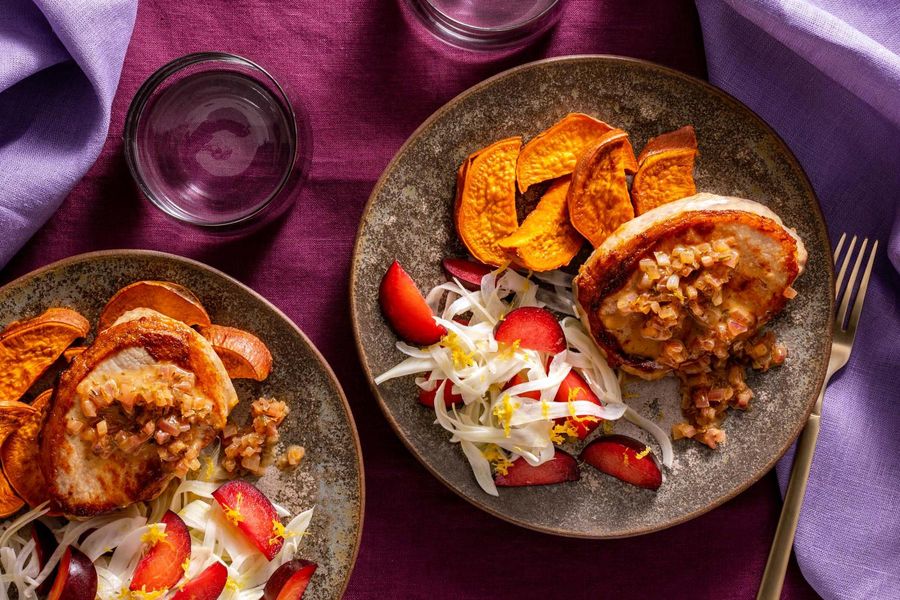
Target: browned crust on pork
{"type": "Point", "coordinates": [603, 275]}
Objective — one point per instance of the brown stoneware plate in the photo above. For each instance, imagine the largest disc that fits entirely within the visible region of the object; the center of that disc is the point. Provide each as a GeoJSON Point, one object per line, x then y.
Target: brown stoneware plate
{"type": "Point", "coordinates": [331, 474]}
{"type": "Point", "coordinates": [408, 218]}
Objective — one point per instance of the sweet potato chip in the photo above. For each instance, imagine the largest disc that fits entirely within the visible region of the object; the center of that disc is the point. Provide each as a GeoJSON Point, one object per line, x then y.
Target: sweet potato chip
{"type": "Point", "coordinates": [244, 355]}
{"type": "Point", "coordinates": [598, 196]}
{"type": "Point", "coordinates": [9, 502]}
{"type": "Point", "coordinates": [546, 239]}
{"type": "Point", "coordinates": [28, 348]}
{"type": "Point", "coordinates": [20, 455]}
{"type": "Point", "coordinates": [665, 170]}
{"type": "Point", "coordinates": [485, 210]}
{"type": "Point", "coordinates": [555, 151]}
{"type": "Point", "coordinates": [13, 414]}
{"type": "Point", "coordinates": [168, 298]}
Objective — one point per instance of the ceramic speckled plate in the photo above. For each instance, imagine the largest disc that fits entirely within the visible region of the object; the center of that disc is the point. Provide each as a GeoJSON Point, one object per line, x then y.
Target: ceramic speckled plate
{"type": "Point", "coordinates": [331, 474]}
{"type": "Point", "coordinates": [409, 219]}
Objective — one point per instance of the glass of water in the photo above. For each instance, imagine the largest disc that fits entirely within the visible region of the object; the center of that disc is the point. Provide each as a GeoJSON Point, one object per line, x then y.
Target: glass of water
{"type": "Point", "coordinates": [212, 140]}
{"type": "Point", "coordinates": [486, 24]}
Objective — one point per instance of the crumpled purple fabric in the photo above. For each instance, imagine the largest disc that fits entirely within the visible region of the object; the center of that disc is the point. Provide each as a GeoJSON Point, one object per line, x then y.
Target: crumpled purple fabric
{"type": "Point", "coordinates": [60, 62]}
{"type": "Point", "coordinates": [826, 75]}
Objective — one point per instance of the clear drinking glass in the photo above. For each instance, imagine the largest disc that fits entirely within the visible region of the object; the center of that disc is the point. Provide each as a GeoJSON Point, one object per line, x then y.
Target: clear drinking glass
{"type": "Point", "coordinates": [486, 24]}
{"type": "Point", "coordinates": [212, 140]}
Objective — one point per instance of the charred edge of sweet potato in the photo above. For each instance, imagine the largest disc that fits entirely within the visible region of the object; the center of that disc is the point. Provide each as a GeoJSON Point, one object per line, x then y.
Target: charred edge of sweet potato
{"type": "Point", "coordinates": [609, 275]}
{"type": "Point", "coordinates": [683, 138]}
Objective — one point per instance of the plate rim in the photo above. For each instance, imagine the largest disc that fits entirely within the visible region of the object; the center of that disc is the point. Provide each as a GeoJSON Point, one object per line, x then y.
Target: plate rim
{"type": "Point", "coordinates": [332, 378]}
{"type": "Point", "coordinates": [573, 59]}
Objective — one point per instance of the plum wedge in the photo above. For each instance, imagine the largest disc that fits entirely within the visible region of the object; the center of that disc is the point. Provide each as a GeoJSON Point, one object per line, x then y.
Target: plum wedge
{"type": "Point", "coordinates": [626, 459]}
{"type": "Point", "coordinates": [162, 565]}
{"type": "Point", "coordinates": [45, 544]}
{"type": "Point", "coordinates": [574, 387]}
{"type": "Point", "coordinates": [533, 328]}
{"type": "Point", "coordinates": [76, 577]}
{"type": "Point", "coordinates": [561, 468]}
{"type": "Point", "coordinates": [253, 514]}
{"type": "Point", "coordinates": [289, 581]}
{"type": "Point", "coordinates": [469, 273]}
{"type": "Point", "coordinates": [208, 585]}
{"type": "Point", "coordinates": [427, 397]}
{"type": "Point", "coordinates": [405, 309]}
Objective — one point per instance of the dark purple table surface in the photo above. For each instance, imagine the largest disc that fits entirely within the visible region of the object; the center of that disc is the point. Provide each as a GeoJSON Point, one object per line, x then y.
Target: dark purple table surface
{"type": "Point", "coordinates": [369, 79]}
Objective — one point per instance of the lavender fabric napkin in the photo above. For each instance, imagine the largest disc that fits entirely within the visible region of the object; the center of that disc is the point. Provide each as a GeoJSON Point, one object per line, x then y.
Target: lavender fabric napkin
{"type": "Point", "coordinates": [826, 75]}
{"type": "Point", "coordinates": [60, 62]}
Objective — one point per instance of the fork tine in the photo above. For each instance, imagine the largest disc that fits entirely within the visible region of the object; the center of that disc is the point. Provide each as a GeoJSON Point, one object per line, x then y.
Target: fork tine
{"type": "Point", "coordinates": [861, 294]}
{"type": "Point", "coordinates": [843, 271]}
{"type": "Point", "coordinates": [845, 301]}
{"type": "Point", "coordinates": [840, 244]}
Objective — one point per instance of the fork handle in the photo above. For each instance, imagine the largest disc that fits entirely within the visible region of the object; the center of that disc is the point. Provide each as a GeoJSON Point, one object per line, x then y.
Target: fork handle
{"type": "Point", "coordinates": [776, 567]}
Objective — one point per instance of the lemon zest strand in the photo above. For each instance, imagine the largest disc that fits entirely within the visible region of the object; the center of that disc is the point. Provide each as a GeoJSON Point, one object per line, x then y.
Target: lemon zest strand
{"type": "Point", "coordinates": [504, 412]}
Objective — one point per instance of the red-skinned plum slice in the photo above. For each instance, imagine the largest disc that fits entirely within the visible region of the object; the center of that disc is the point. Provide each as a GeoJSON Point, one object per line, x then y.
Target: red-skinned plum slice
{"type": "Point", "coordinates": [289, 581]}
{"type": "Point", "coordinates": [253, 514]}
{"type": "Point", "coordinates": [208, 585]}
{"type": "Point", "coordinates": [626, 459]}
{"type": "Point", "coordinates": [162, 564]}
{"type": "Point", "coordinates": [561, 468]}
{"type": "Point", "coordinates": [534, 328]}
{"type": "Point", "coordinates": [76, 577]}
{"type": "Point", "coordinates": [405, 308]}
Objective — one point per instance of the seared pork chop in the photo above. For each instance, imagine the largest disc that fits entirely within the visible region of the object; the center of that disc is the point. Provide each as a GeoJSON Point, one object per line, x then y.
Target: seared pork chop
{"type": "Point", "coordinates": [679, 285]}
{"type": "Point", "coordinates": [131, 412]}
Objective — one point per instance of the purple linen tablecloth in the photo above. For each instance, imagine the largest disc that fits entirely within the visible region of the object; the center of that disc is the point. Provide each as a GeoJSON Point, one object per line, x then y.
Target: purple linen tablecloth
{"type": "Point", "coordinates": [826, 76]}
{"type": "Point", "coordinates": [368, 80]}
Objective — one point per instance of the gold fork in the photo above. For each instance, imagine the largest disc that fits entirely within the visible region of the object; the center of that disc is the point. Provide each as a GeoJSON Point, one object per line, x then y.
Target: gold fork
{"type": "Point", "coordinates": [773, 576]}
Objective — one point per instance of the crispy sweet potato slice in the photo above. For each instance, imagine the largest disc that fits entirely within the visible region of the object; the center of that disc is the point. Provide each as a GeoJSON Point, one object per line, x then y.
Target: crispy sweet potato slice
{"type": "Point", "coordinates": [555, 151]}
{"type": "Point", "coordinates": [665, 170]}
{"type": "Point", "coordinates": [546, 239]}
{"type": "Point", "coordinates": [168, 298]}
{"type": "Point", "coordinates": [244, 355]}
{"type": "Point", "coordinates": [20, 455]}
{"type": "Point", "coordinates": [12, 415]}
{"type": "Point", "coordinates": [9, 502]}
{"type": "Point", "coordinates": [28, 348]}
{"type": "Point", "coordinates": [598, 196]}
{"type": "Point", "coordinates": [485, 210]}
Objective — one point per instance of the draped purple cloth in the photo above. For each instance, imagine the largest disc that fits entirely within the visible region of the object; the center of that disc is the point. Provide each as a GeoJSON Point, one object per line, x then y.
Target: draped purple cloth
{"type": "Point", "coordinates": [59, 67]}
{"type": "Point", "coordinates": [826, 75]}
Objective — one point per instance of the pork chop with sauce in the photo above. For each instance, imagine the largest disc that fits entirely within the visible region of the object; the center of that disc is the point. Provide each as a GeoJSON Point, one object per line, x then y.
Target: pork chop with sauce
{"type": "Point", "coordinates": [131, 413]}
{"type": "Point", "coordinates": [680, 285]}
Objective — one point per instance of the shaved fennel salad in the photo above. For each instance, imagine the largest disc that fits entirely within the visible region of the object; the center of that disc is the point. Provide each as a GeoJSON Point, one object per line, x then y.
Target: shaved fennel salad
{"type": "Point", "coordinates": [115, 543]}
{"type": "Point", "coordinates": [507, 397]}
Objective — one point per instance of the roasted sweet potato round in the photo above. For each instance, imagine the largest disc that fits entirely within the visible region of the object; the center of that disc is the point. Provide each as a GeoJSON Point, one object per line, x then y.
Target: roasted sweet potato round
{"type": "Point", "coordinates": [20, 455]}
{"type": "Point", "coordinates": [555, 151]}
{"type": "Point", "coordinates": [29, 347]}
{"type": "Point", "coordinates": [165, 297]}
{"type": "Point", "coordinates": [485, 210]}
{"type": "Point", "coordinates": [244, 355]}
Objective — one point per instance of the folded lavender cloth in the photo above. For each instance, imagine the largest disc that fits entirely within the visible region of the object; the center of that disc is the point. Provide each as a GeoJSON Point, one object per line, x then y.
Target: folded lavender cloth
{"type": "Point", "coordinates": [826, 75]}
{"type": "Point", "coordinates": [60, 62]}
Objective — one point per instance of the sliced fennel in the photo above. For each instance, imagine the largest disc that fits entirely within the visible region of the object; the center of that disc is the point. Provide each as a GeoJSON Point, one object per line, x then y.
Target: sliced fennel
{"type": "Point", "coordinates": [495, 426]}
{"type": "Point", "coordinates": [113, 543]}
